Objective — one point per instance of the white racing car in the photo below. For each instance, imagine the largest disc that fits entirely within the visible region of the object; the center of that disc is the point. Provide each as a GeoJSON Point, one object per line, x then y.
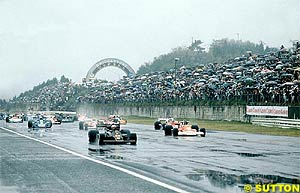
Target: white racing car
{"type": "Point", "coordinates": [16, 118]}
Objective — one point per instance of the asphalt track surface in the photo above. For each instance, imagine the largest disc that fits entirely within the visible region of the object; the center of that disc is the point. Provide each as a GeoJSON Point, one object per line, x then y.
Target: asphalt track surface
{"type": "Point", "coordinates": [221, 162]}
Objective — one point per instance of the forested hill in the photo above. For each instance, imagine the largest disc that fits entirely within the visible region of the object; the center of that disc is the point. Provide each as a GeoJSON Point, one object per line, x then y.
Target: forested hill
{"type": "Point", "coordinates": [195, 54]}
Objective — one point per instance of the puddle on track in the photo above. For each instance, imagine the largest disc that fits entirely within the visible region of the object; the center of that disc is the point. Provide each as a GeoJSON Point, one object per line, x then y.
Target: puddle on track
{"type": "Point", "coordinates": [220, 179]}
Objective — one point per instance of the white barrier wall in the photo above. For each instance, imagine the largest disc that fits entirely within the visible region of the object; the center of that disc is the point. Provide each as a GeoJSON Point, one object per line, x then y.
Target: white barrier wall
{"type": "Point", "coordinates": [235, 113]}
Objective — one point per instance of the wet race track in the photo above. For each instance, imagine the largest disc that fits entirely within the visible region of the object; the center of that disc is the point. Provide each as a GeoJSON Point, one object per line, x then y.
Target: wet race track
{"type": "Point", "coordinates": [219, 162]}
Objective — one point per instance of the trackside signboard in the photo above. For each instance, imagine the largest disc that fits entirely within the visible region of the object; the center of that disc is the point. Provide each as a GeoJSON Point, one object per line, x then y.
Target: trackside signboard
{"type": "Point", "coordinates": [278, 111]}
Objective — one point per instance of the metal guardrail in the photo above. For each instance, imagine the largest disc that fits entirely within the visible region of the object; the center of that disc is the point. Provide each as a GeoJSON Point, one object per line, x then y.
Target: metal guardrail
{"type": "Point", "coordinates": [277, 122]}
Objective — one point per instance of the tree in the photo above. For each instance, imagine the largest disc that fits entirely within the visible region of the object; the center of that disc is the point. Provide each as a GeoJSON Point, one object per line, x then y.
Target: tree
{"type": "Point", "coordinates": [219, 51]}
{"type": "Point", "coordinates": [64, 79]}
{"type": "Point", "coordinates": [196, 46]}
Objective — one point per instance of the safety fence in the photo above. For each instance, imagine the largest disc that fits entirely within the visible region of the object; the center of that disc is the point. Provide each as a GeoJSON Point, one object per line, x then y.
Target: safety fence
{"type": "Point", "coordinates": [276, 122]}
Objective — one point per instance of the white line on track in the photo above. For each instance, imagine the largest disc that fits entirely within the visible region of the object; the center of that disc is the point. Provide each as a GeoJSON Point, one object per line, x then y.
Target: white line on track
{"type": "Point", "coordinates": [104, 163]}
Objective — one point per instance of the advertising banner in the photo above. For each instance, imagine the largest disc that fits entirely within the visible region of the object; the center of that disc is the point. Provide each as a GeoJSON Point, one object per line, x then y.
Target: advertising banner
{"type": "Point", "coordinates": [278, 111]}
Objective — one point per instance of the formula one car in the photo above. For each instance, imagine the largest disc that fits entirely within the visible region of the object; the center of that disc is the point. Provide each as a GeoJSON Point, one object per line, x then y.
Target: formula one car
{"type": "Point", "coordinates": [2, 116]}
{"type": "Point", "coordinates": [67, 119]}
{"type": "Point", "coordinates": [183, 128]}
{"type": "Point", "coordinates": [161, 123]}
{"type": "Point", "coordinates": [39, 122]}
{"type": "Point", "coordinates": [117, 119]}
{"type": "Point", "coordinates": [112, 135]}
{"type": "Point", "coordinates": [16, 118]}
{"type": "Point", "coordinates": [88, 123]}
{"type": "Point", "coordinates": [55, 119]}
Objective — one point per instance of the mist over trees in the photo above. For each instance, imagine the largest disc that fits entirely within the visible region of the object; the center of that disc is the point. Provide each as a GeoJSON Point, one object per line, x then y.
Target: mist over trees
{"type": "Point", "coordinates": [193, 55]}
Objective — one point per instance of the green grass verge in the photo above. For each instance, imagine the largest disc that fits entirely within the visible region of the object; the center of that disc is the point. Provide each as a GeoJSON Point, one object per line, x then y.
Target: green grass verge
{"type": "Point", "coordinates": [226, 126]}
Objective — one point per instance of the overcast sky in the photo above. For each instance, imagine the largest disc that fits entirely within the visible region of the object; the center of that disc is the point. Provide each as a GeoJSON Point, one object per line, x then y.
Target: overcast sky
{"type": "Point", "coordinates": [42, 39]}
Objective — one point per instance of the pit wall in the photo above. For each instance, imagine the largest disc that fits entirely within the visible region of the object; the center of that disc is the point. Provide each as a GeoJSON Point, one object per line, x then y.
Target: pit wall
{"type": "Point", "coordinates": [230, 113]}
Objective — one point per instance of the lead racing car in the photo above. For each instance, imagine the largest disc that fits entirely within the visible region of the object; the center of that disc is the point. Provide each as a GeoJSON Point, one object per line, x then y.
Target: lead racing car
{"type": "Point", "coordinates": [183, 128]}
{"type": "Point", "coordinates": [111, 134]}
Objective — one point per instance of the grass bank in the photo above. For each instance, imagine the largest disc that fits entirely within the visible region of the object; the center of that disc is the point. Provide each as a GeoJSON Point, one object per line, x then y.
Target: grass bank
{"type": "Point", "coordinates": [227, 126]}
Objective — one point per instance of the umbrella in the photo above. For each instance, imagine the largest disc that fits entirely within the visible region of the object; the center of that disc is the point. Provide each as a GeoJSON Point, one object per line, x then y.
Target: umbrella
{"type": "Point", "coordinates": [201, 80]}
{"type": "Point", "coordinates": [200, 84]}
{"type": "Point", "coordinates": [287, 65]}
{"type": "Point", "coordinates": [286, 75]}
{"type": "Point", "coordinates": [213, 80]}
{"type": "Point", "coordinates": [288, 84]}
{"type": "Point", "coordinates": [266, 71]}
{"type": "Point", "coordinates": [296, 82]}
{"type": "Point", "coordinates": [279, 67]}
{"type": "Point", "coordinates": [227, 73]}
{"type": "Point", "coordinates": [248, 80]}
{"type": "Point", "coordinates": [211, 86]}
{"type": "Point", "coordinates": [270, 83]}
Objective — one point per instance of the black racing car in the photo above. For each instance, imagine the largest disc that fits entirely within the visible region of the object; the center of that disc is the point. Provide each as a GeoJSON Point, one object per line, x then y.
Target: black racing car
{"type": "Point", "coordinates": [112, 134]}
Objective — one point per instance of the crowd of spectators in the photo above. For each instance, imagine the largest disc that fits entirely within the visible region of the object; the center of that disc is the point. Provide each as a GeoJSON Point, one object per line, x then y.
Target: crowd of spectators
{"type": "Point", "coordinates": [273, 78]}
{"type": "Point", "coordinates": [256, 79]}
{"type": "Point", "coordinates": [53, 96]}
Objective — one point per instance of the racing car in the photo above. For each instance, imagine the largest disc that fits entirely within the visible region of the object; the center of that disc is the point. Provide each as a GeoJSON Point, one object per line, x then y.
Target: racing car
{"type": "Point", "coordinates": [55, 119]}
{"type": "Point", "coordinates": [2, 116]}
{"type": "Point", "coordinates": [16, 118]}
{"type": "Point", "coordinates": [67, 119]}
{"type": "Point", "coordinates": [183, 128]}
{"type": "Point", "coordinates": [111, 134]}
{"type": "Point", "coordinates": [117, 118]}
{"type": "Point", "coordinates": [161, 123]}
{"type": "Point", "coordinates": [87, 123]}
{"type": "Point", "coordinates": [37, 122]}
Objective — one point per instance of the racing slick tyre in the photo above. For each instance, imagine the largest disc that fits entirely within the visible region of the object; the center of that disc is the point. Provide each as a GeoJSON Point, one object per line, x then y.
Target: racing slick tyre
{"type": "Point", "coordinates": [163, 126]}
{"type": "Point", "coordinates": [49, 125]}
{"type": "Point", "coordinates": [175, 132]}
{"type": "Point", "coordinates": [30, 124]}
{"type": "Point", "coordinates": [157, 125]}
{"type": "Point", "coordinates": [81, 125]}
{"type": "Point", "coordinates": [168, 130]}
{"type": "Point", "coordinates": [7, 119]}
{"type": "Point", "coordinates": [204, 132]}
{"type": "Point", "coordinates": [125, 131]}
{"type": "Point", "coordinates": [25, 118]}
{"type": "Point", "coordinates": [101, 139]}
{"type": "Point", "coordinates": [195, 127]}
{"type": "Point", "coordinates": [133, 139]}
{"type": "Point", "coordinates": [92, 135]}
